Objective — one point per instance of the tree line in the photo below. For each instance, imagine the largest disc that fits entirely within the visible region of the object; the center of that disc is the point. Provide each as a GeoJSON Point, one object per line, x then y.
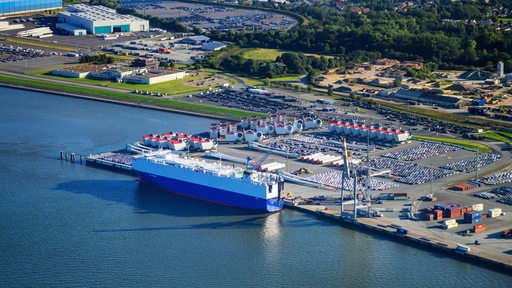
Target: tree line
{"type": "Point", "coordinates": [432, 34]}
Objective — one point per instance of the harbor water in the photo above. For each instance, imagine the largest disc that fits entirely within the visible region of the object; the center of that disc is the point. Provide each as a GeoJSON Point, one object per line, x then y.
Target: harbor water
{"type": "Point", "coordinates": [65, 224]}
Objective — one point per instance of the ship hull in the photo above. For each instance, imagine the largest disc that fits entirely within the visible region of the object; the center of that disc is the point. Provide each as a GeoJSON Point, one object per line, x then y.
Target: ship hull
{"type": "Point", "coordinates": [212, 194]}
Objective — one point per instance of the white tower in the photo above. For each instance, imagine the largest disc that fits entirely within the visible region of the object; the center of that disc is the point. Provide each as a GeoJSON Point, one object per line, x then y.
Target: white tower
{"type": "Point", "coordinates": [501, 70]}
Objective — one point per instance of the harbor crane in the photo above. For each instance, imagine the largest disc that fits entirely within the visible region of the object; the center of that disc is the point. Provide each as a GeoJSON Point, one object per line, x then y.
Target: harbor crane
{"type": "Point", "coordinates": [364, 174]}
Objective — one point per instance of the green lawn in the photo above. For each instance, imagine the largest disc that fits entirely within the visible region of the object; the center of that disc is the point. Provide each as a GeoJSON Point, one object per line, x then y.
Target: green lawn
{"type": "Point", "coordinates": [264, 54]}
{"type": "Point", "coordinates": [498, 136]}
{"type": "Point", "coordinates": [261, 54]}
{"type": "Point", "coordinates": [286, 78]}
{"type": "Point", "coordinates": [40, 44]}
{"type": "Point", "coordinates": [174, 87]}
{"type": "Point", "coordinates": [129, 97]}
{"type": "Point", "coordinates": [459, 142]}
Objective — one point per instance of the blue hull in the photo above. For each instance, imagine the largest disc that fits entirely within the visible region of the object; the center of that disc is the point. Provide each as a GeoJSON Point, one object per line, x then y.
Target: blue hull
{"type": "Point", "coordinates": [211, 194]}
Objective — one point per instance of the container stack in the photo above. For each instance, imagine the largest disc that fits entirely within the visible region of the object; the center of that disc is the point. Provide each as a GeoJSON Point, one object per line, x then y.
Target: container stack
{"type": "Point", "coordinates": [449, 223]}
{"type": "Point", "coordinates": [473, 217]}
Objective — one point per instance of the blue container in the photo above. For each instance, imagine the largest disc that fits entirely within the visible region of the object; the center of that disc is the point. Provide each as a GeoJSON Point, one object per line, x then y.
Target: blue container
{"type": "Point", "coordinates": [476, 220]}
{"type": "Point", "coordinates": [401, 231]}
{"type": "Point", "coordinates": [473, 214]}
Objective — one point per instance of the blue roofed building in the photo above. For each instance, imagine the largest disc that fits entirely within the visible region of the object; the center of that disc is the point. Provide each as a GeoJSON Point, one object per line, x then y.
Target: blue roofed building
{"type": "Point", "coordinates": [213, 46]}
{"type": "Point", "coordinates": [196, 40]}
{"type": "Point", "coordinates": [101, 20]}
{"type": "Point", "coordinates": [22, 6]}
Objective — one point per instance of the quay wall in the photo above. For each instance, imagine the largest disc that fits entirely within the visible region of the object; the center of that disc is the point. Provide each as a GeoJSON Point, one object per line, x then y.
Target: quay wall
{"type": "Point", "coordinates": [500, 261]}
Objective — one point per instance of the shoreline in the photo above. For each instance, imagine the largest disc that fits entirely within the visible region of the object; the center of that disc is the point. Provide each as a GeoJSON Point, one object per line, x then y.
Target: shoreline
{"type": "Point", "coordinates": [379, 227]}
{"type": "Point", "coordinates": [113, 101]}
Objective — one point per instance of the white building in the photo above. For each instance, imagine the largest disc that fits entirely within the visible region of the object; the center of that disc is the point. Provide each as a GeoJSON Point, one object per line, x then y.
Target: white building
{"type": "Point", "coordinates": [153, 76]}
{"type": "Point", "coordinates": [70, 29]}
{"type": "Point", "coordinates": [101, 20]}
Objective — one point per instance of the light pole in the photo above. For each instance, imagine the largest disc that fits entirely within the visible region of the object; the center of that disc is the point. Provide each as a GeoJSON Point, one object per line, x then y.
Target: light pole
{"type": "Point", "coordinates": [287, 167]}
{"type": "Point", "coordinates": [431, 179]}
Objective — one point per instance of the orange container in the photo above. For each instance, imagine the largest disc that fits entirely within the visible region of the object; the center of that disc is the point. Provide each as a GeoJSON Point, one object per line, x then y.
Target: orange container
{"type": "Point", "coordinates": [454, 212]}
{"type": "Point", "coordinates": [438, 214]}
{"type": "Point", "coordinates": [479, 228]}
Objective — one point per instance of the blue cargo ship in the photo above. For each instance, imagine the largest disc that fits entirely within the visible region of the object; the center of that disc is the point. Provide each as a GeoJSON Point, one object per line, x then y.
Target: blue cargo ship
{"type": "Point", "coordinates": [211, 181]}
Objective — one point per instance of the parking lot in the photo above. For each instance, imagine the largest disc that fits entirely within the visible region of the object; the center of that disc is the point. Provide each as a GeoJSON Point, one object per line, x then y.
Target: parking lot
{"type": "Point", "coordinates": [206, 17]}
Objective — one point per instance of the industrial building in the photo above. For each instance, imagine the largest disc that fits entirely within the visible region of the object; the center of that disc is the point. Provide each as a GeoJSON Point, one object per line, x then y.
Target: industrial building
{"type": "Point", "coordinates": [22, 6]}
{"type": "Point", "coordinates": [213, 46]}
{"type": "Point", "coordinates": [117, 73]}
{"type": "Point", "coordinates": [153, 76]}
{"type": "Point", "coordinates": [101, 20]}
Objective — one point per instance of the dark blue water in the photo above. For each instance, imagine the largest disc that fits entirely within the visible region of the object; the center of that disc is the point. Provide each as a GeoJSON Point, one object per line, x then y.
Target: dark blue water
{"type": "Point", "coordinates": [71, 225]}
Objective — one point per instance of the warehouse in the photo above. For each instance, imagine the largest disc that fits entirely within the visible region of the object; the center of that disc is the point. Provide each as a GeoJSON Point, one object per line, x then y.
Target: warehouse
{"type": "Point", "coordinates": [154, 76]}
{"type": "Point", "coordinates": [101, 20]}
{"type": "Point", "coordinates": [22, 6]}
{"type": "Point", "coordinates": [71, 30]}
{"type": "Point", "coordinates": [213, 46]}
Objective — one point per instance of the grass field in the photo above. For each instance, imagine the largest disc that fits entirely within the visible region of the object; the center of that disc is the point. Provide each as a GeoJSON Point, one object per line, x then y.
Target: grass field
{"type": "Point", "coordinates": [40, 44]}
{"type": "Point", "coordinates": [264, 54]}
{"type": "Point", "coordinates": [261, 54]}
{"type": "Point", "coordinates": [174, 87]}
{"type": "Point", "coordinates": [498, 136]}
{"type": "Point", "coordinates": [287, 78]}
{"type": "Point", "coordinates": [459, 142]}
{"type": "Point", "coordinates": [128, 97]}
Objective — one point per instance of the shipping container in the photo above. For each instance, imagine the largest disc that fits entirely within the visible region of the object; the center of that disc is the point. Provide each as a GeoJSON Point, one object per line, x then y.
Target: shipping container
{"type": "Point", "coordinates": [494, 212]}
{"type": "Point", "coordinates": [478, 207]}
{"type": "Point", "coordinates": [438, 214]}
{"type": "Point", "coordinates": [400, 196]}
{"type": "Point", "coordinates": [479, 228]}
{"type": "Point", "coordinates": [401, 230]}
{"type": "Point", "coordinates": [472, 214]}
{"type": "Point", "coordinates": [449, 221]}
{"type": "Point", "coordinates": [453, 212]}
{"type": "Point", "coordinates": [449, 226]}
{"type": "Point", "coordinates": [430, 216]}
{"type": "Point", "coordinates": [475, 220]}
{"type": "Point", "coordinates": [462, 248]}
{"type": "Point", "coordinates": [441, 206]}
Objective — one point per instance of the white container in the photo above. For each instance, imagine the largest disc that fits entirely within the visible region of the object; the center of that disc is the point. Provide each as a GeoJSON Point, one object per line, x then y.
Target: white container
{"type": "Point", "coordinates": [462, 248]}
{"type": "Point", "coordinates": [449, 221]}
{"type": "Point", "coordinates": [494, 212]}
{"type": "Point", "coordinates": [449, 226]}
{"type": "Point", "coordinates": [478, 207]}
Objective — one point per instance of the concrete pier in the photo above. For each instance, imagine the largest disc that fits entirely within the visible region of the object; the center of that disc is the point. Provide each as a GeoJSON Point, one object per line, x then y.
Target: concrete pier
{"type": "Point", "coordinates": [71, 156]}
{"type": "Point", "coordinates": [414, 236]}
